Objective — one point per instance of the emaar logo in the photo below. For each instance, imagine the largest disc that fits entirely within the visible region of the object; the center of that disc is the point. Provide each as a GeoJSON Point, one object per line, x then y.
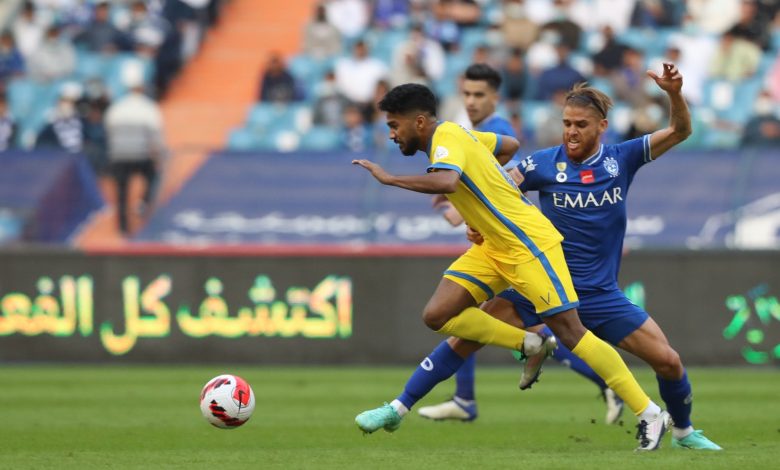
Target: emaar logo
{"type": "Point", "coordinates": [753, 226]}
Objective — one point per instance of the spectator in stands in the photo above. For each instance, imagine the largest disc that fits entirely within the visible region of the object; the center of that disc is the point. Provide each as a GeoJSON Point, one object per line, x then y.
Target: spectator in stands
{"type": "Point", "coordinates": [330, 104]}
{"type": "Point", "coordinates": [440, 26]}
{"type": "Point", "coordinates": [356, 136]}
{"type": "Point", "coordinates": [519, 31]}
{"type": "Point", "coordinates": [656, 14]}
{"type": "Point", "coordinates": [92, 107]}
{"type": "Point", "coordinates": [54, 59]}
{"type": "Point", "coordinates": [645, 119]}
{"type": "Point", "coordinates": [629, 78]}
{"type": "Point", "coordinates": [101, 35]}
{"type": "Point", "coordinates": [763, 129]}
{"type": "Point", "coordinates": [773, 80]}
{"type": "Point", "coordinates": [752, 26]}
{"type": "Point", "coordinates": [146, 32]}
{"type": "Point", "coordinates": [278, 84]}
{"type": "Point", "coordinates": [11, 60]}
{"type": "Point", "coordinates": [417, 60]}
{"type": "Point", "coordinates": [711, 16]}
{"type": "Point", "coordinates": [560, 77]}
{"type": "Point", "coordinates": [28, 29]}
{"type": "Point", "coordinates": [610, 57]}
{"type": "Point", "coordinates": [7, 126]}
{"type": "Point", "coordinates": [65, 129]}
{"type": "Point", "coordinates": [568, 30]}
{"type": "Point", "coordinates": [548, 132]}
{"type": "Point", "coordinates": [516, 120]}
{"type": "Point", "coordinates": [320, 38]}
{"type": "Point", "coordinates": [357, 76]}
{"type": "Point", "coordinates": [135, 142]}
{"type": "Point", "coordinates": [350, 17]}
{"type": "Point", "coordinates": [390, 14]}
{"type": "Point", "coordinates": [514, 78]}
{"type": "Point", "coordinates": [736, 59]}
{"type": "Point", "coordinates": [464, 13]}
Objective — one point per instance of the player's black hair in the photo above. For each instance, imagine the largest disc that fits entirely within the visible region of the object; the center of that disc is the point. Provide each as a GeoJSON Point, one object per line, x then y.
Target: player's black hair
{"type": "Point", "coordinates": [485, 73]}
{"type": "Point", "coordinates": [407, 98]}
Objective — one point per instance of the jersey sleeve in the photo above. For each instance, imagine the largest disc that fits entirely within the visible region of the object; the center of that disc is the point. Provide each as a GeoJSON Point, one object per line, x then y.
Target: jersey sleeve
{"type": "Point", "coordinates": [635, 152]}
{"type": "Point", "coordinates": [488, 139]}
{"type": "Point", "coordinates": [446, 154]}
{"type": "Point", "coordinates": [531, 180]}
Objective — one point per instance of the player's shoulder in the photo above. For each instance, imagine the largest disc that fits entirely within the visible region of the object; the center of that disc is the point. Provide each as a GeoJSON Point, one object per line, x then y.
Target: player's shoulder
{"type": "Point", "coordinates": [497, 125]}
{"type": "Point", "coordinates": [628, 148]}
{"type": "Point", "coordinates": [540, 159]}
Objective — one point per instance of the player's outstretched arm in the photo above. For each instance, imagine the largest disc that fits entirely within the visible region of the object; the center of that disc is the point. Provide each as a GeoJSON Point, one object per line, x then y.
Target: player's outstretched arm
{"type": "Point", "coordinates": [679, 127]}
{"type": "Point", "coordinates": [435, 182]}
{"type": "Point", "coordinates": [509, 147]}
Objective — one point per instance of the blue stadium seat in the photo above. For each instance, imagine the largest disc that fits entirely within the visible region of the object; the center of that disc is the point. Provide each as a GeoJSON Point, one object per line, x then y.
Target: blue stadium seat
{"type": "Point", "coordinates": [320, 138]}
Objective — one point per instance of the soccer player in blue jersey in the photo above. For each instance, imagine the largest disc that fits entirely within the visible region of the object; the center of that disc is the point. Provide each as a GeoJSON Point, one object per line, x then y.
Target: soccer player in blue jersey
{"type": "Point", "coordinates": [521, 249]}
{"type": "Point", "coordinates": [480, 91]}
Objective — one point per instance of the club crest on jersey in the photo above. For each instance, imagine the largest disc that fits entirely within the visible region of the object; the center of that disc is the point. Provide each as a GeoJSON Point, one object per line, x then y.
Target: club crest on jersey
{"type": "Point", "coordinates": [528, 164]}
{"type": "Point", "coordinates": [611, 165]}
{"type": "Point", "coordinates": [561, 177]}
{"type": "Point", "coordinates": [560, 166]}
{"type": "Point", "coordinates": [441, 152]}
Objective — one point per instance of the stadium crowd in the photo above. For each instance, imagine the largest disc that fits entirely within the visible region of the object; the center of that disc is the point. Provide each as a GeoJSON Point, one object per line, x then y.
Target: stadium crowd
{"type": "Point", "coordinates": [355, 50]}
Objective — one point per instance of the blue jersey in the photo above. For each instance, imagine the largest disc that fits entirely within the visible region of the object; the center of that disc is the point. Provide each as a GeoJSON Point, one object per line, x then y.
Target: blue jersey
{"type": "Point", "coordinates": [497, 125]}
{"type": "Point", "coordinates": [587, 203]}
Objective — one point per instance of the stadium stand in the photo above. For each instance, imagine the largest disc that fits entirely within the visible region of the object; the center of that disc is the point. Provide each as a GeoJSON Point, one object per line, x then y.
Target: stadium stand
{"type": "Point", "coordinates": [213, 101]}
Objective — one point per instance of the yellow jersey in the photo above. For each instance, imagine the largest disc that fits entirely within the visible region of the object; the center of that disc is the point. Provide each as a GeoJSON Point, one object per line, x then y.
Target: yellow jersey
{"type": "Point", "coordinates": [515, 231]}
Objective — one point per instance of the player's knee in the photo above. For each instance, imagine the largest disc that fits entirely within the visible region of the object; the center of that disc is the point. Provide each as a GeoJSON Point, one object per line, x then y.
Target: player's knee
{"type": "Point", "coordinates": [669, 365]}
{"type": "Point", "coordinates": [435, 316]}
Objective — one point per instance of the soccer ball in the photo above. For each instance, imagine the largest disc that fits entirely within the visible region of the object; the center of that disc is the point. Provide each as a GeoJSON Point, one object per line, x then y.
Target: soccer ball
{"type": "Point", "coordinates": [227, 401]}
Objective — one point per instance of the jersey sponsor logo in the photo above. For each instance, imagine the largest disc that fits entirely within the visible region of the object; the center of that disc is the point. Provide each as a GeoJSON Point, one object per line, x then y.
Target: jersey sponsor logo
{"type": "Point", "coordinates": [612, 167]}
{"type": "Point", "coordinates": [528, 164]}
{"type": "Point", "coordinates": [586, 176]}
{"type": "Point", "coordinates": [586, 200]}
{"type": "Point", "coordinates": [441, 152]}
{"type": "Point", "coordinates": [560, 166]}
{"type": "Point", "coordinates": [561, 177]}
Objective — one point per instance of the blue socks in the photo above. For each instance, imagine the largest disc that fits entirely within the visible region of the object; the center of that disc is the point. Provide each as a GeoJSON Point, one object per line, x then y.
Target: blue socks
{"type": "Point", "coordinates": [437, 367]}
{"type": "Point", "coordinates": [678, 398]}
{"type": "Point", "coordinates": [464, 379]}
{"type": "Point", "coordinates": [570, 360]}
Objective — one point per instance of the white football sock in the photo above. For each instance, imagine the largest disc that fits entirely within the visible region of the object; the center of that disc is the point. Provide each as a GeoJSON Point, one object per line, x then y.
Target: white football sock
{"type": "Point", "coordinates": [399, 407]}
{"type": "Point", "coordinates": [681, 433]}
{"type": "Point", "coordinates": [650, 413]}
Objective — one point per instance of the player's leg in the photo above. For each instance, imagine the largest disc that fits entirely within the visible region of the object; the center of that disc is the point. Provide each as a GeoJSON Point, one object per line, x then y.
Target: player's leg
{"type": "Point", "coordinates": [452, 310]}
{"type": "Point", "coordinates": [463, 404]}
{"type": "Point", "coordinates": [649, 343]}
{"type": "Point", "coordinates": [439, 366]}
{"type": "Point", "coordinates": [547, 284]}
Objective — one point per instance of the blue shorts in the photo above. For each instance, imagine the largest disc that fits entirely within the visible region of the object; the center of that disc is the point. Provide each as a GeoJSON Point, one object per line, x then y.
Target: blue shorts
{"type": "Point", "coordinates": [609, 315]}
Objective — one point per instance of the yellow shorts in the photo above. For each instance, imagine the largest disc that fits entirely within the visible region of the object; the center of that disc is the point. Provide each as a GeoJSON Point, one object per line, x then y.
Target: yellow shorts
{"type": "Point", "coordinates": [545, 280]}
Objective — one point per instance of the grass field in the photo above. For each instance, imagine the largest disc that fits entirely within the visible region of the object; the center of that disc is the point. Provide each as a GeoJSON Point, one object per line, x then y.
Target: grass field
{"type": "Point", "coordinates": [148, 417]}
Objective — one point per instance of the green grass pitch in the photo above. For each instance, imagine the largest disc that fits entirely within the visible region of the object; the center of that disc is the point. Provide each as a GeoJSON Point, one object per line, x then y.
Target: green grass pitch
{"type": "Point", "coordinates": [148, 417]}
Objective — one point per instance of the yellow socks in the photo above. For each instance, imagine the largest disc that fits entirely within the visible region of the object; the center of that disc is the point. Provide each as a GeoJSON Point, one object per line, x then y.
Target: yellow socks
{"type": "Point", "coordinates": [476, 325]}
{"type": "Point", "coordinates": [603, 359]}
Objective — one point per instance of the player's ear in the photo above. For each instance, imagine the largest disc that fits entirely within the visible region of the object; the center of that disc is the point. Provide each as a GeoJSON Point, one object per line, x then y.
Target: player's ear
{"type": "Point", "coordinates": [603, 125]}
{"type": "Point", "coordinates": [420, 122]}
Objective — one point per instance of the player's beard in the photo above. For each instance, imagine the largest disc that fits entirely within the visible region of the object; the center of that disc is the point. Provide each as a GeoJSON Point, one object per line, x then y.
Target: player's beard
{"type": "Point", "coordinates": [410, 147]}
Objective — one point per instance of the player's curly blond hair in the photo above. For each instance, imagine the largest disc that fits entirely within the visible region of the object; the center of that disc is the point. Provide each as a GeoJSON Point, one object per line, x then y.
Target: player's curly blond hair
{"type": "Point", "coordinates": [586, 96]}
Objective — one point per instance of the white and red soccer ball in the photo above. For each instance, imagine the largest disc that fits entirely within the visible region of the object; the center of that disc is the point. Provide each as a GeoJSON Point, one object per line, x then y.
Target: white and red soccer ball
{"type": "Point", "coordinates": [227, 401]}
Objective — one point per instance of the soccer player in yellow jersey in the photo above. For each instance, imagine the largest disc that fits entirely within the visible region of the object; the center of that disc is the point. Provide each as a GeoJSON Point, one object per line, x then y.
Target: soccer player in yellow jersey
{"type": "Point", "coordinates": [523, 251]}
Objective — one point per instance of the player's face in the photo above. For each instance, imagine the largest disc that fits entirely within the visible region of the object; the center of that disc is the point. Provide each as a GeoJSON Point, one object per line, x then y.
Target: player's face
{"type": "Point", "coordinates": [403, 131]}
{"type": "Point", "coordinates": [582, 129]}
{"type": "Point", "coordinates": [480, 100]}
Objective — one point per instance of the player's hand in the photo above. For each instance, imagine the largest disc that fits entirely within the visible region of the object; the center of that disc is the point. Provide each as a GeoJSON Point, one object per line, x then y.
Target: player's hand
{"type": "Point", "coordinates": [671, 81]}
{"type": "Point", "coordinates": [376, 171]}
{"type": "Point", "coordinates": [474, 236]}
{"type": "Point", "coordinates": [452, 215]}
